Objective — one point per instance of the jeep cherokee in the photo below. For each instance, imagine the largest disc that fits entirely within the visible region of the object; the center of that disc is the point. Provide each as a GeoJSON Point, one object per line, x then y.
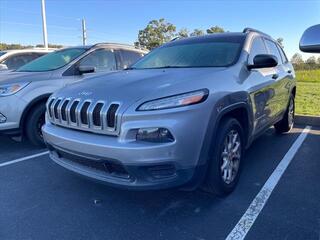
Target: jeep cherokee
{"type": "Point", "coordinates": [183, 115]}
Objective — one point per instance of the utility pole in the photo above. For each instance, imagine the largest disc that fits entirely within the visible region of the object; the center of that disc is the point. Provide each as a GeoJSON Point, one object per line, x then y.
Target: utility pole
{"type": "Point", "coordinates": [84, 32]}
{"type": "Point", "coordinates": [44, 24]}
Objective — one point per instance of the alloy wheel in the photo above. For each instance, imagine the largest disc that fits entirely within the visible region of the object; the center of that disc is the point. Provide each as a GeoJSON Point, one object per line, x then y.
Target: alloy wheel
{"type": "Point", "coordinates": [231, 156]}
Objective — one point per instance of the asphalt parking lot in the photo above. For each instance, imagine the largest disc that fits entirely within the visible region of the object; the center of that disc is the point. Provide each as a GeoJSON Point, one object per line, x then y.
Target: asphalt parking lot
{"type": "Point", "coordinates": [40, 200]}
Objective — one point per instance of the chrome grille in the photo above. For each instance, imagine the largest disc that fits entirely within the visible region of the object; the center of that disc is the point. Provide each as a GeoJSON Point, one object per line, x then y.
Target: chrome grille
{"type": "Point", "coordinates": [87, 115]}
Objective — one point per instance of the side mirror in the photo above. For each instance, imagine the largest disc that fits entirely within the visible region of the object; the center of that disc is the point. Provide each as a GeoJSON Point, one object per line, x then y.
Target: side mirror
{"type": "Point", "coordinates": [310, 40]}
{"type": "Point", "coordinates": [86, 69]}
{"type": "Point", "coordinates": [263, 61]}
{"type": "Point", "coordinates": [3, 67]}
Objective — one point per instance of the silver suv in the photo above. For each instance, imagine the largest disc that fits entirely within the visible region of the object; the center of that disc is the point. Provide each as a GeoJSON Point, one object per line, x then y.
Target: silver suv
{"type": "Point", "coordinates": [24, 92]}
{"type": "Point", "coordinates": [181, 116]}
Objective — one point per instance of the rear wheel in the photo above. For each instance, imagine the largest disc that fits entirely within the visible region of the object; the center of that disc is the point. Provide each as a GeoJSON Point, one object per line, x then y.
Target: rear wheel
{"type": "Point", "coordinates": [225, 162]}
{"type": "Point", "coordinates": [35, 121]}
{"type": "Point", "coordinates": [286, 123]}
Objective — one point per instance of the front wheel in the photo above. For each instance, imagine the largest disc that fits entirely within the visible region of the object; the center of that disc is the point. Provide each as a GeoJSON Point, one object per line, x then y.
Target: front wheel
{"type": "Point", "coordinates": [34, 123]}
{"type": "Point", "coordinates": [225, 161]}
{"type": "Point", "coordinates": [286, 123]}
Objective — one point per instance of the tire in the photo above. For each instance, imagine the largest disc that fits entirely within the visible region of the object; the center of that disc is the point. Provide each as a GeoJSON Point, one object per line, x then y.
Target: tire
{"type": "Point", "coordinates": [286, 123]}
{"type": "Point", "coordinates": [34, 122]}
{"type": "Point", "coordinates": [219, 181]}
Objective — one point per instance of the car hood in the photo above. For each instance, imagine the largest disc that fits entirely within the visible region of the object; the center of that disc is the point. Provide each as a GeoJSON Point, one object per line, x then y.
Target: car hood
{"type": "Point", "coordinates": [129, 86]}
{"type": "Point", "coordinates": [16, 77]}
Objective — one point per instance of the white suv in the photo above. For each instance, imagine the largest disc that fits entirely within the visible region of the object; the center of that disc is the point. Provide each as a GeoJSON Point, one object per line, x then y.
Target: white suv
{"type": "Point", "coordinates": [13, 59]}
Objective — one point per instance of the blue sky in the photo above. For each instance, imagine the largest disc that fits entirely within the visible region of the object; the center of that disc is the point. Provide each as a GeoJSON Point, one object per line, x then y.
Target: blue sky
{"type": "Point", "coordinates": [120, 21]}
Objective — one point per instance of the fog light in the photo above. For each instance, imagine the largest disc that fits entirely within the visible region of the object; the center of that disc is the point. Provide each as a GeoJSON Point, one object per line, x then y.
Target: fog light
{"type": "Point", "coordinates": [154, 135]}
{"type": "Point", "coordinates": [3, 119]}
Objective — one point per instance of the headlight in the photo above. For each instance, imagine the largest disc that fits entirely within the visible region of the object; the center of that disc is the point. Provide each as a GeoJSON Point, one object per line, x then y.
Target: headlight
{"type": "Point", "coordinates": [6, 90]}
{"type": "Point", "coordinates": [175, 101]}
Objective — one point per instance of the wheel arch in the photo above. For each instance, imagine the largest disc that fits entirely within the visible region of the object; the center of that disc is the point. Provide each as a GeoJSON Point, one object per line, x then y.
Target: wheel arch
{"type": "Point", "coordinates": [38, 100]}
{"type": "Point", "coordinates": [241, 111]}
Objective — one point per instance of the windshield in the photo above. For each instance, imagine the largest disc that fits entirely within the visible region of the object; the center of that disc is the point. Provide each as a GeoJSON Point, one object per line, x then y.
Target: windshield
{"type": "Point", "coordinates": [52, 60]}
{"type": "Point", "coordinates": [194, 54]}
{"type": "Point", "coordinates": [2, 53]}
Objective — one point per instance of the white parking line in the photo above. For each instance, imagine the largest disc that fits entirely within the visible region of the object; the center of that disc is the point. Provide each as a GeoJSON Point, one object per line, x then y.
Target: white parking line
{"type": "Point", "coordinates": [247, 220]}
{"type": "Point", "coordinates": [23, 159]}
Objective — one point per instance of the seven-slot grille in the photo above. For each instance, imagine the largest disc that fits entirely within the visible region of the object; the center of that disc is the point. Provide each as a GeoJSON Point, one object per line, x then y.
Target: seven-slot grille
{"type": "Point", "coordinates": [94, 116]}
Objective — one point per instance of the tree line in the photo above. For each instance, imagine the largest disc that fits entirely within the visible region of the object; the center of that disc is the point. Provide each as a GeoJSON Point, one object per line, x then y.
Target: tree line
{"type": "Point", "coordinates": [158, 32]}
{"type": "Point", "coordinates": [309, 64]}
{"type": "Point", "coordinates": [5, 46]}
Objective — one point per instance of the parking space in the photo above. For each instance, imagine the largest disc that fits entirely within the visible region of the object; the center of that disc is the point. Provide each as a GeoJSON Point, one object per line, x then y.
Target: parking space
{"type": "Point", "coordinates": [40, 200]}
{"type": "Point", "coordinates": [11, 149]}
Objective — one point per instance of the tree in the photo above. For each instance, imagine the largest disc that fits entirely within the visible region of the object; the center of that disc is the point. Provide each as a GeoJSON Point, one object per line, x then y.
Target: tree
{"type": "Point", "coordinates": [311, 60]}
{"type": "Point", "coordinates": [183, 33]}
{"type": "Point", "coordinates": [297, 59]}
{"type": "Point", "coordinates": [215, 29]}
{"type": "Point", "coordinates": [197, 32]}
{"type": "Point", "coordinates": [280, 41]}
{"type": "Point", "coordinates": [155, 34]}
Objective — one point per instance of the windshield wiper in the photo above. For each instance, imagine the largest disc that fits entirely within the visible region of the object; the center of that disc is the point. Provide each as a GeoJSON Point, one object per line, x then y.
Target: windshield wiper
{"type": "Point", "coordinates": [130, 68]}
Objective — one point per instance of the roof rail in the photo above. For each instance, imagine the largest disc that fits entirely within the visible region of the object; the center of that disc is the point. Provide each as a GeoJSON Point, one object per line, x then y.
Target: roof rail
{"type": "Point", "coordinates": [247, 29]}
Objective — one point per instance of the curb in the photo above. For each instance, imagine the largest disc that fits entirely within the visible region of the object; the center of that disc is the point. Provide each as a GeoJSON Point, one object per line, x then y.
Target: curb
{"type": "Point", "coordinates": [307, 120]}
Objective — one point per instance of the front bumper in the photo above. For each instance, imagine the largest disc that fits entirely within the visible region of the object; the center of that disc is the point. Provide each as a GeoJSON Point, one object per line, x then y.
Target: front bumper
{"type": "Point", "coordinates": [11, 107]}
{"type": "Point", "coordinates": [113, 173]}
{"type": "Point", "coordinates": [119, 164]}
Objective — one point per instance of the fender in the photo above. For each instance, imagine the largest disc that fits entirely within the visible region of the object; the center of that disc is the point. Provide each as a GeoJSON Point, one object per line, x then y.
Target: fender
{"type": "Point", "coordinates": [212, 129]}
{"type": "Point", "coordinates": [35, 101]}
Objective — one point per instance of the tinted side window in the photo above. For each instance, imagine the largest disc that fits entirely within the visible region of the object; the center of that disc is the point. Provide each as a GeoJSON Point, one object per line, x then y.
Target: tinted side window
{"type": "Point", "coordinates": [257, 47]}
{"type": "Point", "coordinates": [101, 59]}
{"type": "Point", "coordinates": [273, 49]}
{"type": "Point", "coordinates": [283, 55]}
{"type": "Point", "coordinates": [18, 60]}
{"type": "Point", "coordinates": [129, 57]}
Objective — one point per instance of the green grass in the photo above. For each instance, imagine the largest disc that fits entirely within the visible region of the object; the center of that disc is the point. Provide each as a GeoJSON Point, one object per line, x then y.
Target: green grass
{"type": "Point", "coordinates": [308, 92]}
{"type": "Point", "coordinates": [308, 75]}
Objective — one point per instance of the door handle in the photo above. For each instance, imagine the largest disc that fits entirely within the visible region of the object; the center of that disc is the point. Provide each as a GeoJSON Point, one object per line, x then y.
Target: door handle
{"type": "Point", "coordinates": [275, 76]}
